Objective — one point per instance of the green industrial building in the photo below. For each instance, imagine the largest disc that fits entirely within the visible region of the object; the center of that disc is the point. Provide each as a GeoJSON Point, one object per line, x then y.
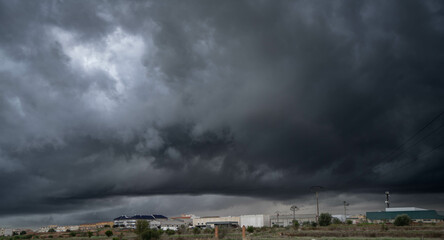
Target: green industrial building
{"type": "Point", "coordinates": [416, 214]}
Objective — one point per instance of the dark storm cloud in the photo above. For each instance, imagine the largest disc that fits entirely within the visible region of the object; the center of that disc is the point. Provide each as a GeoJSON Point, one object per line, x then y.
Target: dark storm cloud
{"type": "Point", "coordinates": [261, 98]}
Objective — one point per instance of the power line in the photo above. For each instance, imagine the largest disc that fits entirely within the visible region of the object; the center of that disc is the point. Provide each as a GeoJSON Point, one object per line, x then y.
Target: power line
{"type": "Point", "coordinates": [414, 135]}
{"type": "Point", "coordinates": [420, 156]}
{"type": "Point", "coordinates": [414, 144]}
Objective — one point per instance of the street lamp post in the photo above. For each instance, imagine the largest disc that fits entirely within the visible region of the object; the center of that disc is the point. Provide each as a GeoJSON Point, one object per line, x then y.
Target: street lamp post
{"type": "Point", "coordinates": [277, 218]}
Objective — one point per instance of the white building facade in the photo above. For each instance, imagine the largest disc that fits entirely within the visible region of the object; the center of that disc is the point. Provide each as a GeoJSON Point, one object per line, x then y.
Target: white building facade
{"type": "Point", "coordinates": [212, 221]}
{"type": "Point", "coordinates": [259, 220]}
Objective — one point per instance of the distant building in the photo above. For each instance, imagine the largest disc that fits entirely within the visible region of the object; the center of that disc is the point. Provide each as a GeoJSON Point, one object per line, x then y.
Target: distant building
{"type": "Point", "coordinates": [130, 222]}
{"type": "Point", "coordinates": [286, 219]}
{"type": "Point", "coordinates": [6, 232]}
{"type": "Point", "coordinates": [416, 214]}
{"type": "Point", "coordinates": [93, 226]}
{"type": "Point", "coordinates": [213, 221]}
{"type": "Point", "coordinates": [356, 218]}
{"type": "Point", "coordinates": [47, 228]}
{"type": "Point", "coordinates": [187, 218]}
{"type": "Point", "coordinates": [259, 220]}
{"type": "Point", "coordinates": [171, 224]}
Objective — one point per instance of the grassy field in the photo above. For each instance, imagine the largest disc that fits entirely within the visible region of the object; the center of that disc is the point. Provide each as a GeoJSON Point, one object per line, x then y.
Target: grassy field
{"type": "Point", "coordinates": [332, 232]}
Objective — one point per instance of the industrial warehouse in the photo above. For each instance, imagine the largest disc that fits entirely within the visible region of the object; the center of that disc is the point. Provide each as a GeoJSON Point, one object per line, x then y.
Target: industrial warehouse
{"type": "Point", "coordinates": [417, 215]}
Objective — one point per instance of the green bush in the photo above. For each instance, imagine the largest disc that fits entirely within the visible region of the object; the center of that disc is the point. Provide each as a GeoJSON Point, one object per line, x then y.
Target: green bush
{"type": "Point", "coordinates": [170, 232]}
{"type": "Point", "coordinates": [182, 229]}
{"type": "Point", "coordinates": [384, 227]}
{"type": "Point", "coordinates": [196, 230]}
{"type": "Point", "coordinates": [402, 220]}
{"type": "Point", "coordinates": [314, 224]}
{"type": "Point", "coordinates": [349, 222]}
{"type": "Point", "coordinates": [325, 219]}
{"type": "Point", "coordinates": [72, 234]}
{"type": "Point", "coordinates": [296, 224]}
{"type": "Point", "coordinates": [51, 230]}
{"type": "Point", "coordinates": [250, 229]}
{"type": "Point", "coordinates": [223, 231]}
{"type": "Point", "coordinates": [90, 234]}
{"type": "Point", "coordinates": [109, 233]}
{"type": "Point", "coordinates": [336, 221]}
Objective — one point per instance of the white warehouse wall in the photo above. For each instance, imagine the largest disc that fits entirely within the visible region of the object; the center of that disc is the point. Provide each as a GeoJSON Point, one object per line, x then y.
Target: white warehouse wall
{"type": "Point", "coordinates": [259, 220]}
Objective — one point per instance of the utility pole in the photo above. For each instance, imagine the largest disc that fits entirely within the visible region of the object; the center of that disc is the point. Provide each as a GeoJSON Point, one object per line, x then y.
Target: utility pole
{"type": "Point", "coordinates": [316, 189]}
{"type": "Point", "coordinates": [294, 208]}
{"type": "Point", "coordinates": [345, 210]}
{"type": "Point", "coordinates": [277, 218]}
{"type": "Point", "coordinates": [387, 200]}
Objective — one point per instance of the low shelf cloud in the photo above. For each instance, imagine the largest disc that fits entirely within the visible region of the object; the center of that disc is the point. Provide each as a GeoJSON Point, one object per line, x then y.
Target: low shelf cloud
{"type": "Point", "coordinates": [101, 102]}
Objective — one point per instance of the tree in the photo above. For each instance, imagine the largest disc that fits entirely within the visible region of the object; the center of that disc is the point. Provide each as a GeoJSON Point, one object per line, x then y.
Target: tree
{"type": "Point", "coordinates": [349, 221]}
{"type": "Point", "coordinates": [90, 234]}
{"type": "Point", "coordinates": [150, 234]}
{"type": "Point", "coordinates": [51, 230]}
{"type": "Point", "coordinates": [23, 233]}
{"type": "Point", "coordinates": [109, 233]}
{"type": "Point", "coordinates": [141, 226]}
{"type": "Point", "coordinates": [325, 219]}
{"type": "Point", "coordinates": [72, 234]}
{"type": "Point", "coordinates": [250, 229]}
{"type": "Point", "coordinates": [402, 220]}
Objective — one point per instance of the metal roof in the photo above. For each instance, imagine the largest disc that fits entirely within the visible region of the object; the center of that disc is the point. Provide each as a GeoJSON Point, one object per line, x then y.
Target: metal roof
{"type": "Point", "coordinates": [142, 217]}
{"type": "Point", "coordinates": [223, 222]}
{"type": "Point", "coordinates": [427, 214]}
{"type": "Point", "coordinates": [120, 218]}
{"type": "Point", "coordinates": [397, 209]}
{"type": "Point", "coordinates": [148, 217]}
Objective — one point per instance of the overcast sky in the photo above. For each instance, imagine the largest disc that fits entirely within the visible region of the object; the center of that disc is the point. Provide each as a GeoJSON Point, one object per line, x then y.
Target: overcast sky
{"type": "Point", "coordinates": [217, 107]}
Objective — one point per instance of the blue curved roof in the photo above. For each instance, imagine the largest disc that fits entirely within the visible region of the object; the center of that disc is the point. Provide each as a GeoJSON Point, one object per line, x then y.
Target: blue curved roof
{"type": "Point", "coordinates": [158, 216]}
{"type": "Point", "coordinates": [150, 217]}
{"type": "Point", "coordinates": [147, 217]}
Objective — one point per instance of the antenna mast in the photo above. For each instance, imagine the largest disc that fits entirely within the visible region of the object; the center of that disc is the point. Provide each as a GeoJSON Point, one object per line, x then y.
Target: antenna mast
{"type": "Point", "coordinates": [387, 199]}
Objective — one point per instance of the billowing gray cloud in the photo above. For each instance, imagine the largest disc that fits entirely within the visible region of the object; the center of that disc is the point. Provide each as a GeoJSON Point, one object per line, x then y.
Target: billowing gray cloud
{"type": "Point", "coordinates": [101, 100]}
